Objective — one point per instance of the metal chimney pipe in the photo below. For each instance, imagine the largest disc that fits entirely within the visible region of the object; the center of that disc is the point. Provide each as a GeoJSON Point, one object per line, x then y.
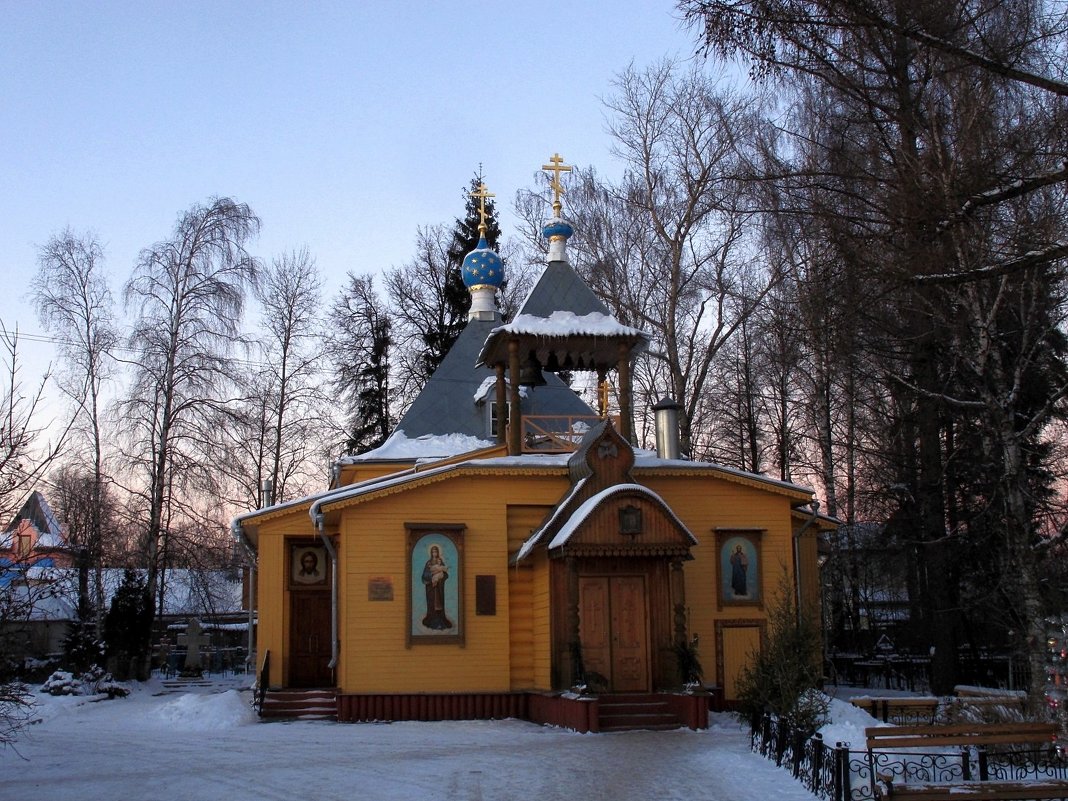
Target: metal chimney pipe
{"type": "Point", "coordinates": [267, 493]}
{"type": "Point", "coordinates": [667, 428]}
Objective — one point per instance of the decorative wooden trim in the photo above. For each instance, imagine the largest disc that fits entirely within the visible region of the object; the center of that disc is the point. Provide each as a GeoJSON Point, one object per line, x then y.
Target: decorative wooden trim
{"type": "Point", "coordinates": [734, 623]}
{"type": "Point", "coordinates": [664, 550]}
{"type": "Point", "coordinates": [739, 567]}
{"type": "Point", "coordinates": [432, 706]}
{"type": "Point", "coordinates": [435, 573]}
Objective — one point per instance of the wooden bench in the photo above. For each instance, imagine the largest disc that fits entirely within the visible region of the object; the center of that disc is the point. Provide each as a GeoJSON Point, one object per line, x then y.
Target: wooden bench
{"type": "Point", "coordinates": [965, 791]}
{"type": "Point", "coordinates": [898, 709]}
{"type": "Point", "coordinates": [1013, 733]}
{"type": "Point", "coordinates": [919, 739]}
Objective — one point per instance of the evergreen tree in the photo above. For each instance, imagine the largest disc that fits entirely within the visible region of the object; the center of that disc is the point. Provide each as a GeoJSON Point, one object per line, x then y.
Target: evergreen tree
{"type": "Point", "coordinates": [360, 349]}
{"type": "Point", "coordinates": [456, 298]}
{"type": "Point", "coordinates": [784, 677]}
{"type": "Point", "coordinates": [128, 624]}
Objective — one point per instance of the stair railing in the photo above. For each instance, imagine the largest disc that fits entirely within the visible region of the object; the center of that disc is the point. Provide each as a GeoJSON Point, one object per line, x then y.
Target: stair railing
{"type": "Point", "coordinates": [264, 682]}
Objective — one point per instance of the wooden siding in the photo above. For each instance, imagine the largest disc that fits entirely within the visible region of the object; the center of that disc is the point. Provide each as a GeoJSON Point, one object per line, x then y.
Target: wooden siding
{"type": "Point", "coordinates": [543, 658]}
{"type": "Point", "coordinates": [522, 520]}
{"type": "Point", "coordinates": [740, 643]}
{"type": "Point", "coordinates": [704, 505]}
{"type": "Point", "coordinates": [512, 650]}
{"type": "Point", "coordinates": [375, 657]}
{"type": "Point", "coordinates": [457, 706]}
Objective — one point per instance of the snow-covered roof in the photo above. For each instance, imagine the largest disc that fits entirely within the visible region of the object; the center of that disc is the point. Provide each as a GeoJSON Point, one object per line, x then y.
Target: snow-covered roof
{"type": "Point", "coordinates": [448, 403]}
{"type": "Point", "coordinates": [567, 323]}
{"type": "Point", "coordinates": [587, 507]}
{"type": "Point", "coordinates": [36, 512]}
{"type": "Point", "coordinates": [408, 476]}
{"type": "Point", "coordinates": [428, 446]}
{"type": "Point", "coordinates": [535, 535]}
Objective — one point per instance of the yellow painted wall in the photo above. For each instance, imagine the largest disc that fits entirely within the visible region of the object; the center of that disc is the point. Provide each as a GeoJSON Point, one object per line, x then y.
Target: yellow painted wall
{"type": "Point", "coordinates": [512, 649]}
{"type": "Point", "coordinates": [523, 519]}
{"type": "Point", "coordinates": [373, 543]}
{"type": "Point", "coordinates": [543, 661]}
{"type": "Point", "coordinates": [705, 504]}
{"type": "Point", "coordinates": [361, 471]}
{"type": "Point", "coordinates": [740, 645]}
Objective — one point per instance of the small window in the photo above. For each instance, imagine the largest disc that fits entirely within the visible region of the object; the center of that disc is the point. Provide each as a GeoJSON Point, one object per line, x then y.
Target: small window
{"type": "Point", "coordinates": [496, 420]}
{"type": "Point", "coordinates": [24, 545]}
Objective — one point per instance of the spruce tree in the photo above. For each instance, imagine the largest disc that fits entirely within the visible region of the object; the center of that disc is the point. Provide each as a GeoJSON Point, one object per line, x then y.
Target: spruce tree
{"type": "Point", "coordinates": [360, 349]}
{"type": "Point", "coordinates": [457, 300]}
{"type": "Point", "coordinates": [128, 625]}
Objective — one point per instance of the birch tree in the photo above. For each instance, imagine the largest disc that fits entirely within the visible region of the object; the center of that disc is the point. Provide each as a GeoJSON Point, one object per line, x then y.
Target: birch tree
{"type": "Point", "coordinates": [671, 247]}
{"type": "Point", "coordinates": [73, 301]}
{"type": "Point", "coordinates": [186, 297]}
{"type": "Point", "coordinates": [933, 137]}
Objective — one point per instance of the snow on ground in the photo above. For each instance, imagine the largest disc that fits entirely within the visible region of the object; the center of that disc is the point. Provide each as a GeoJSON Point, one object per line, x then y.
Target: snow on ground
{"type": "Point", "coordinates": [200, 746]}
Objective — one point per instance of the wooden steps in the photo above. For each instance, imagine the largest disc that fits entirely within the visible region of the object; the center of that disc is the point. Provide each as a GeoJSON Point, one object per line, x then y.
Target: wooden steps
{"type": "Point", "coordinates": [315, 704]}
{"type": "Point", "coordinates": [635, 712]}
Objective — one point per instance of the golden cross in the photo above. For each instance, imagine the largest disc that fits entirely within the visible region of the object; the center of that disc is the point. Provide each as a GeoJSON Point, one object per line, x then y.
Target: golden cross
{"type": "Point", "coordinates": [482, 193]}
{"type": "Point", "coordinates": [556, 166]}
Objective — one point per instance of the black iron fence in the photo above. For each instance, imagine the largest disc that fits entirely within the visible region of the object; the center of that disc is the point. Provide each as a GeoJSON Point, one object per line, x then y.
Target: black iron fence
{"type": "Point", "coordinates": [837, 773]}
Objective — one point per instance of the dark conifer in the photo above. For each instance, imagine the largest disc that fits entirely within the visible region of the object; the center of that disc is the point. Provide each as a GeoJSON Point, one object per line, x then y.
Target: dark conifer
{"type": "Point", "coordinates": [457, 300]}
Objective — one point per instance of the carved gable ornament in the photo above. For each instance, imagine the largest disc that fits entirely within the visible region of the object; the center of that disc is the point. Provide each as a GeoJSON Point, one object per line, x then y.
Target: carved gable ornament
{"type": "Point", "coordinates": [624, 520]}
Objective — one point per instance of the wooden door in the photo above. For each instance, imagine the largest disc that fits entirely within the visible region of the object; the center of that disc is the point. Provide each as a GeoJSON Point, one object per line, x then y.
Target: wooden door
{"type": "Point", "coordinates": [740, 644]}
{"type": "Point", "coordinates": [309, 640]}
{"type": "Point", "coordinates": [613, 631]}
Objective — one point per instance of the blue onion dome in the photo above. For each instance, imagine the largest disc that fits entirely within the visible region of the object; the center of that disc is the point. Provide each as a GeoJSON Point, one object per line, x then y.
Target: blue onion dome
{"type": "Point", "coordinates": [482, 266]}
{"type": "Point", "coordinates": [557, 228]}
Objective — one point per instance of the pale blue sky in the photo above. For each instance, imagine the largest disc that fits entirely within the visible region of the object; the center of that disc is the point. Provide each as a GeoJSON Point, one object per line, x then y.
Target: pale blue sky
{"type": "Point", "coordinates": [345, 126]}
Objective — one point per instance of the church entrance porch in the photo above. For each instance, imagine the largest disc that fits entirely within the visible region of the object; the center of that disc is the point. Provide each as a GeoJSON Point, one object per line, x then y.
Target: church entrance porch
{"type": "Point", "coordinates": [614, 625]}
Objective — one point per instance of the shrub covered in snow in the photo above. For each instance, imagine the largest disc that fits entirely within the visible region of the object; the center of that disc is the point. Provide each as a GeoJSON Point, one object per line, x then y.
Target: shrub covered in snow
{"type": "Point", "coordinates": [92, 682]}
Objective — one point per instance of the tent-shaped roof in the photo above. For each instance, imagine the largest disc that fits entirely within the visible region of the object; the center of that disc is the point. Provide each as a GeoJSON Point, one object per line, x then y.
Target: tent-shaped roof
{"type": "Point", "coordinates": [447, 403]}
{"type": "Point", "coordinates": [559, 288]}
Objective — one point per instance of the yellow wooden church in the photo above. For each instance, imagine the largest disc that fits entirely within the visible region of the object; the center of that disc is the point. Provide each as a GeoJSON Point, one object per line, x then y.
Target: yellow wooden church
{"type": "Point", "coordinates": [509, 552]}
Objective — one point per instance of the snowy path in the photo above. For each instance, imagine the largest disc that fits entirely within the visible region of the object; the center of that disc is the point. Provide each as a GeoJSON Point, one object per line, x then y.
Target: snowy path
{"type": "Point", "coordinates": [205, 747]}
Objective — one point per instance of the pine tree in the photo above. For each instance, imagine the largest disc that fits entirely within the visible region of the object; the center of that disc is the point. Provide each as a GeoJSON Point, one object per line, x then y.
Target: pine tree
{"type": "Point", "coordinates": [783, 678]}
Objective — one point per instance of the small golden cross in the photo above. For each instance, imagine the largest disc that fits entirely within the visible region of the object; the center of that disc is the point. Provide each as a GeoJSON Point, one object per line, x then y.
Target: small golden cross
{"type": "Point", "coordinates": [482, 193]}
{"type": "Point", "coordinates": [556, 166]}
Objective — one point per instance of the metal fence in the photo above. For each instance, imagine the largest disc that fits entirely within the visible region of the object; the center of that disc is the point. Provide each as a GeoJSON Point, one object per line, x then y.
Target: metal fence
{"type": "Point", "coordinates": [836, 773]}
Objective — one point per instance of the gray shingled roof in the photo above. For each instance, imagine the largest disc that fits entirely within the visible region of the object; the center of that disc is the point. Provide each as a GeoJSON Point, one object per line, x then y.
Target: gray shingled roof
{"type": "Point", "coordinates": [559, 288]}
{"type": "Point", "coordinates": [446, 405]}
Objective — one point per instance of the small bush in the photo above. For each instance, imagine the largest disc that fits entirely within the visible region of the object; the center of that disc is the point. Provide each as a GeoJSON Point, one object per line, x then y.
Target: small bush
{"type": "Point", "coordinates": [92, 682]}
{"type": "Point", "coordinates": [784, 678]}
{"type": "Point", "coordinates": [688, 663]}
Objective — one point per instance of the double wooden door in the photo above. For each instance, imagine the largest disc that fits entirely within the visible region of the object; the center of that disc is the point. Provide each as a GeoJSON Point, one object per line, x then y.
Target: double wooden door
{"type": "Point", "coordinates": [614, 632]}
{"type": "Point", "coordinates": [309, 639]}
